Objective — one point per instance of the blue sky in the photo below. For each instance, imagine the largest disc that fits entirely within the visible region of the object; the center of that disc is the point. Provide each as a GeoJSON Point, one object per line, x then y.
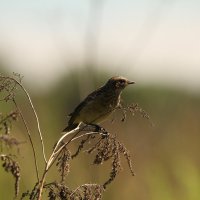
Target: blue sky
{"type": "Point", "coordinates": [151, 40]}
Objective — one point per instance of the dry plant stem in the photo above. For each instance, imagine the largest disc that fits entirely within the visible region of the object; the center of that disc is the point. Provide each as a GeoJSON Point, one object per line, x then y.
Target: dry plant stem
{"type": "Point", "coordinates": [91, 133]}
{"type": "Point", "coordinates": [37, 119]}
{"type": "Point", "coordinates": [52, 158]}
{"type": "Point", "coordinates": [34, 111]}
{"type": "Point", "coordinates": [29, 136]}
{"type": "Point", "coordinates": [56, 152]}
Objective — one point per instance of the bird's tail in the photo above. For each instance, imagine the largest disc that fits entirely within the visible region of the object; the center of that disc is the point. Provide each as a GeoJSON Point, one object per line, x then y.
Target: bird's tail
{"type": "Point", "coordinates": [70, 127]}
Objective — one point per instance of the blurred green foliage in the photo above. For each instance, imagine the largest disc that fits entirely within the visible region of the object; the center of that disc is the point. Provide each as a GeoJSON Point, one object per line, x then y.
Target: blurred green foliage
{"type": "Point", "coordinates": [166, 156]}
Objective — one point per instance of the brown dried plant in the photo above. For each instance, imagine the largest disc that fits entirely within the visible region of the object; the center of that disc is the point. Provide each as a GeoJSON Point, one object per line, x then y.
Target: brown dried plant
{"type": "Point", "coordinates": [12, 166]}
{"type": "Point", "coordinates": [63, 163]}
{"type": "Point", "coordinates": [6, 121]}
{"type": "Point", "coordinates": [110, 148]}
{"type": "Point", "coordinates": [102, 145]}
{"type": "Point", "coordinates": [6, 138]}
{"type": "Point", "coordinates": [84, 192]}
{"type": "Point", "coordinates": [134, 109]}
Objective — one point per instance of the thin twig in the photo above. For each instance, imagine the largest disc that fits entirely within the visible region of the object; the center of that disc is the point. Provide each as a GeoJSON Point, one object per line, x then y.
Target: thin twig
{"type": "Point", "coordinates": [56, 153]}
{"type": "Point", "coordinates": [90, 133]}
{"type": "Point", "coordinates": [34, 111]}
{"type": "Point", "coordinates": [53, 157]}
{"type": "Point", "coordinates": [29, 136]}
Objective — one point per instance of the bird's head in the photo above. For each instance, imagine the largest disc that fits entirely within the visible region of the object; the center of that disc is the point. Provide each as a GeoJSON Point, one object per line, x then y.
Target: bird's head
{"type": "Point", "coordinates": [118, 83]}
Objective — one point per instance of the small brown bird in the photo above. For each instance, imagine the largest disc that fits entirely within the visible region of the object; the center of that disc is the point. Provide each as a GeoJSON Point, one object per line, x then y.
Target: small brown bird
{"type": "Point", "coordinates": [98, 105]}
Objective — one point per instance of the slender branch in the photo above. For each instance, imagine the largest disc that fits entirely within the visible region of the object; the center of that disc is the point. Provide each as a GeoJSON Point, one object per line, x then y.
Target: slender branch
{"type": "Point", "coordinates": [56, 153]}
{"type": "Point", "coordinates": [52, 158]}
{"type": "Point", "coordinates": [90, 133]}
{"type": "Point", "coordinates": [34, 111]}
{"type": "Point", "coordinates": [37, 119]}
{"type": "Point", "coordinates": [29, 136]}
{"type": "Point", "coordinates": [42, 183]}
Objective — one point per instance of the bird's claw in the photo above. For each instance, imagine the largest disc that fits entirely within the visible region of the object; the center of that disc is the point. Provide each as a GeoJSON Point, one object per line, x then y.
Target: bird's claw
{"type": "Point", "coordinates": [104, 133]}
{"type": "Point", "coordinates": [101, 130]}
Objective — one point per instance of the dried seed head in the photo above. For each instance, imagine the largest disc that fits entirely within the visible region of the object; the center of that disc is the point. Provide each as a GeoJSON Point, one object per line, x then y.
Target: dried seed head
{"type": "Point", "coordinates": [11, 166]}
{"type": "Point", "coordinates": [63, 163]}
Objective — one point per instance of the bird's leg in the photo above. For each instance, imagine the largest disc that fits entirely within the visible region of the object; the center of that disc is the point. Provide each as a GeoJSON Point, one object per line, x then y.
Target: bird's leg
{"type": "Point", "coordinates": [96, 128]}
{"type": "Point", "coordinates": [100, 129]}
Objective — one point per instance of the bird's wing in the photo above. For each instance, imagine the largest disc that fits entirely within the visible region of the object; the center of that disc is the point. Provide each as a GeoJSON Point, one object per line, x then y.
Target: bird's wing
{"type": "Point", "coordinates": [85, 102]}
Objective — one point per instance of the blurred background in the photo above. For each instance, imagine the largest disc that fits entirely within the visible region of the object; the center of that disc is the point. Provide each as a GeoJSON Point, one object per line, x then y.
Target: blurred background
{"type": "Point", "coordinates": [65, 49]}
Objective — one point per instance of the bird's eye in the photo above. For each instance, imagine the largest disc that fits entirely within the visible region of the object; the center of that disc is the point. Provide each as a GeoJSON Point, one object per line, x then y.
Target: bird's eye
{"type": "Point", "coordinates": [122, 81]}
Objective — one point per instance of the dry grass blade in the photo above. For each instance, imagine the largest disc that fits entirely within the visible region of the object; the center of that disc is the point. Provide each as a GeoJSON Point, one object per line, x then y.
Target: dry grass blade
{"type": "Point", "coordinates": [8, 85]}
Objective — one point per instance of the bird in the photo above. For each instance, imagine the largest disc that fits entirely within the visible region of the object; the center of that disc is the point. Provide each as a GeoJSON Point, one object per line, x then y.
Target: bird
{"type": "Point", "coordinates": [99, 104]}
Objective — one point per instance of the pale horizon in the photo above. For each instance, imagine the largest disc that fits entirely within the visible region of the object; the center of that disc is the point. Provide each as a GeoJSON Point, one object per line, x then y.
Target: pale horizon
{"type": "Point", "coordinates": [155, 42]}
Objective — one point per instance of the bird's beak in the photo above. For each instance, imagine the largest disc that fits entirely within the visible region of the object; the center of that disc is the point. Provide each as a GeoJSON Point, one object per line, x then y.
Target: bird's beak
{"type": "Point", "coordinates": [130, 82]}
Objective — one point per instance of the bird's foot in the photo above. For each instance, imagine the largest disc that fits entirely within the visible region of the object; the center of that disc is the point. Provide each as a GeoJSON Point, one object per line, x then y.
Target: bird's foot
{"type": "Point", "coordinates": [101, 130]}
{"type": "Point", "coordinates": [96, 128]}
{"type": "Point", "coordinates": [104, 134]}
